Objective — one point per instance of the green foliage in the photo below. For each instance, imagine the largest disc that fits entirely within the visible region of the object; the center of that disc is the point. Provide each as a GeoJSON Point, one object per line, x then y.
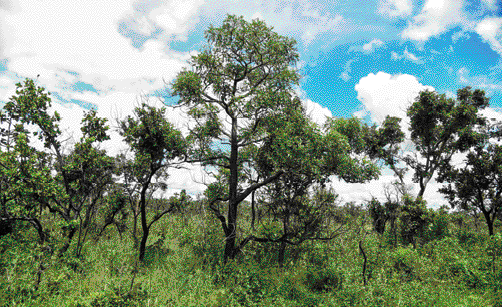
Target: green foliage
{"type": "Point", "coordinates": [120, 297]}
{"type": "Point", "coordinates": [413, 220]}
{"type": "Point", "coordinates": [438, 227]}
{"type": "Point", "coordinates": [30, 106]}
{"type": "Point", "coordinates": [406, 263]}
{"type": "Point", "coordinates": [151, 136]}
{"type": "Point", "coordinates": [477, 186]}
{"type": "Point", "coordinates": [378, 214]}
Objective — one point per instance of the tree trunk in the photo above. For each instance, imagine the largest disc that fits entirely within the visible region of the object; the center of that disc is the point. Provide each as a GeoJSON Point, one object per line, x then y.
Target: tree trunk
{"type": "Point", "coordinates": [489, 221]}
{"type": "Point", "coordinates": [282, 247]}
{"type": "Point", "coordinates": [282, 252]}
{"type": "Point", "coordinates": [230, 235]}
{"type": "Point", "coordinates": [70, 235]}
{"type": "Point", "coordinates": [252, 210]}
{"type": "Point", "coordinates": [144, 225]}
{"type": "Point", "coordinates": [142, 246]}
{"type": "Point", "coordinates": [232, 189]}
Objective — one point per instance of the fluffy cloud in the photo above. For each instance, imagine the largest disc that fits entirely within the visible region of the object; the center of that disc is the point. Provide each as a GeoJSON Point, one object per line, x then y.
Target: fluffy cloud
{"type": "Point", "coordinates": [490, 29]}
{"type": "Point", "coordinates": [93, 48]}
{"type": "Point", "coordinates": [436, 17]}
{"type": "Point", "coordinates": [384, 94]}
{"type": "Point", "coordinates": [316, 112]}
{"type": "Point", "coordinates": [395, 8]}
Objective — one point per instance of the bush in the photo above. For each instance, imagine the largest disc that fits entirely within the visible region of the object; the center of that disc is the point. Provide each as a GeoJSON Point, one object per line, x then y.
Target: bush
{"type": "Point", "coordinates": [438, 227]}
{"type": "Point", "coordinates": [405, 261]}
{"type": "Point", "coordinates": [292, 288]}
{"type": "Point", "coordinates": [323, 279]}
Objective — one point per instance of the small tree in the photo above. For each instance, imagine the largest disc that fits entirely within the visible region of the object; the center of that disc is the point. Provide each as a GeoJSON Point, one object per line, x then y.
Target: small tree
{"type": "Point", "coordinates": [81, 176]}
{"type": "Point", "coordinates": [28, 184]}
{"type": "Point", "coordinates": [414, 219]}
{"type": "Point", "coordinates": [310, 159]}
{"type": "Point", "coordinates": [155, 143]}
{"type": "Point", "coordinates": [378, 214]}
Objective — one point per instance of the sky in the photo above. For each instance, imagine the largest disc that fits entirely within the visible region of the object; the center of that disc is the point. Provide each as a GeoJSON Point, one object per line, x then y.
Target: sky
{"type": "Point", "coordinates": [366, 59]}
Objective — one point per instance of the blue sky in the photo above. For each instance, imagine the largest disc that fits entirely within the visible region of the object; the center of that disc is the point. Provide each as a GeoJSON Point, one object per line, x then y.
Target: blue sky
{"type": "Point", "coordinates": [363, 58]}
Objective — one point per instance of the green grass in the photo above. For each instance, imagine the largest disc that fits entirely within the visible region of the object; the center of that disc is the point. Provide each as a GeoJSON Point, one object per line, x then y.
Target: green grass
{"type": "Point", "coordinates": [187, 271]}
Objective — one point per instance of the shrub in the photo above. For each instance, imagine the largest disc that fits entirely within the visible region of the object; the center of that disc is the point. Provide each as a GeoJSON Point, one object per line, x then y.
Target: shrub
{"type": "Point", "coordinates": [405, 262]}
{"type": "Point", "coordinates": [438, 226]}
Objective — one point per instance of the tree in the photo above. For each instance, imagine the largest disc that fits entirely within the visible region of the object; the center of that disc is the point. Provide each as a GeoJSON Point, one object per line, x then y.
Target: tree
{"type": "Point", "coordinates": [413, 220]}
{"type": "Point", "coordinates": [132, 188]}
{"type": "Point", "coordinates": [441, 127]}
{"type": "Point", "coordinates": [89, 173]}
{"type": "Point", "coordinates": [117, 200]}
{"type": "Point", "coordinates": [81, 176]}
{"type": "Point", "coordinates": [378, 214]}
{"type": "Point", "coordinates": [383, 144]}
{"type": "Point", "coordinates": [28, 184]}
{"type": "Point", "coordinates": [241, 77]}
{"type": "Point", "coordinates": [155, 143]}
{"type": "Point", "coordinates": [477, 186]}
{"type": "Point", "coordinates": [302, 217]}
{"type": "Point", "coordinates": [312, 157]}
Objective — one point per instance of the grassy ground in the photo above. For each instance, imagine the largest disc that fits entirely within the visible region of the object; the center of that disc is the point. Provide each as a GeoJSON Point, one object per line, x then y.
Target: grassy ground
{"type": "Point", "coordinates": [185, 270]}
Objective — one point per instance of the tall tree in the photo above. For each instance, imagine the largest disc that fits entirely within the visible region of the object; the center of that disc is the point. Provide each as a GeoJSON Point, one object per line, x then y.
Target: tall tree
{"type": "Point", "coordinates": [155, 143]}
{"type": "Point", "coordinates": [441, 127]}
{"type": "Point", "coordinates": [242, 75]}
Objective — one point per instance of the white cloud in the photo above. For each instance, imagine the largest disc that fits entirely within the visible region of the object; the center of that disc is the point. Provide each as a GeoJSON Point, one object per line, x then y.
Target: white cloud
{"type": "Point", "coordinates": [177, 17]}
{"type": "Point", "coordinates": [362, 192]}
{"type": "Point", "coordinates": [407, 56]}
{"type": "Point", "coordinates": [315, 111]}
{"type": "Point", "coordinates": [490, 29]}
{"type": "Point", "coordinates": [92, 48]}
{"type": "Point", "coordinates": [368, 47]}
{"type": "Point", "coordinates": [384, 94]}
{"type": "Point", "coordinates": [436, 17]}
{"type": "Point", "coordinates": [395, 8]}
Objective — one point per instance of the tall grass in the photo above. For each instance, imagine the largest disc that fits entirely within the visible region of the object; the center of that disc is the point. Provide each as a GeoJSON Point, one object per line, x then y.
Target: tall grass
{"type": "Point", "coordinates": [183, 268]}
